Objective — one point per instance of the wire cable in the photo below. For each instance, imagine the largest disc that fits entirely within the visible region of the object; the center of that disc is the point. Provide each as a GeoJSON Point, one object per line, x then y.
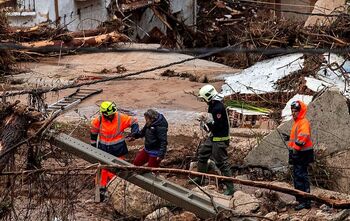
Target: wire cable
{"type": "Point", "coordinates": [215, 50]}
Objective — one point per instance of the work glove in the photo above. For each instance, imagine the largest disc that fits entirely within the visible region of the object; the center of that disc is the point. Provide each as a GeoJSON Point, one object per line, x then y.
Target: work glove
{"type": "Point", "coordinates": [285, 136]}
{"type": "Point", "coordinates": [130, 137]}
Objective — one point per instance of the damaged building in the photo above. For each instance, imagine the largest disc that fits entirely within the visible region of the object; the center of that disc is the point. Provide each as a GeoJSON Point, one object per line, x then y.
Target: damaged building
{"type": "Point", "coordinates": [62, 59]}
{"type": "Point", "coordinates": [144, 20]}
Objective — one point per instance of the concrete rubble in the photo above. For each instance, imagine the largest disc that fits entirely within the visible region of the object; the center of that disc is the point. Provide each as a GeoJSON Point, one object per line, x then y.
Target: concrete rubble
{"type": "Point", "coordinates": [131, 200]}
{"type": "Point", "coordinates": [162, 214]}
{"type": "Point", "coordinates": [185, 216]}
{"type": "Point", "coordinates": [245, 203]}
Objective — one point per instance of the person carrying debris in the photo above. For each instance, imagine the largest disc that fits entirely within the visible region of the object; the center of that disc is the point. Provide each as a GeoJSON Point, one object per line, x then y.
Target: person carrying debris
{"type": "Point", "coordinates": [155, 134]}
{"type": "Point", "coordinates": [215, 146]}
{"type": "Point", "coordinates": [301, 152]}
{"type": "Point", "coordinates": [107, 134]}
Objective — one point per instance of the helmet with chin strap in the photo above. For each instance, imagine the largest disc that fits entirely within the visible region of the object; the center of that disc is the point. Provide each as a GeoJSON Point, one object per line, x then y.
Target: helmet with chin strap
{"type": "Point", "coordinates": [108, 108]}
{"type": "Point", "coordinates": [295, 105]}
{"type": "Point", "coordinates": [207, 92]}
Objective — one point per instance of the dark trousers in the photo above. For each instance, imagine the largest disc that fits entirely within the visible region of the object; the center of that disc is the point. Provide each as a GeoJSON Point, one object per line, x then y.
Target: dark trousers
{"type": "Point", "coordinates": [301, 180]}
{"type": "Point", "coordinates": [143, 157]}
{"type": "Point", "coordinates": [216, 151]}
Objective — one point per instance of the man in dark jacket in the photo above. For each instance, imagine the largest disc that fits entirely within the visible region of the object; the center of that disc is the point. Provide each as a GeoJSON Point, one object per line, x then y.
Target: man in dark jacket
{"type": "Point", "coordinates": [215, 146]}
{"type": "Point", "coordinates": [155, 134]}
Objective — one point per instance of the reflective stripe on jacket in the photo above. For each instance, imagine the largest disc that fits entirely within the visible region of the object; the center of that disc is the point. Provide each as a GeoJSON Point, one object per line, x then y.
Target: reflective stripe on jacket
{"type": "Point", "coordinates": [300, 135]}
{"type": "Point", "coordinates": [111, 132]}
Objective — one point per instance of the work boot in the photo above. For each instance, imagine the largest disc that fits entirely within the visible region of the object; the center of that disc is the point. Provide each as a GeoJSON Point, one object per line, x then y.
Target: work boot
{"type": "Point", "coordinates": [230, 190]}
{"type": "Point", "coordinates": [301, 206]}
{"type": "Point", "coordinates": [203, 168]}
{"type": "Point", "coordinates": [229, 184]}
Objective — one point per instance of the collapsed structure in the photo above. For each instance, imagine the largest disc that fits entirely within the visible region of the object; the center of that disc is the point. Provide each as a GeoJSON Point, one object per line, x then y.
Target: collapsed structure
{"type": "Point", "coordinates": [257, 95]}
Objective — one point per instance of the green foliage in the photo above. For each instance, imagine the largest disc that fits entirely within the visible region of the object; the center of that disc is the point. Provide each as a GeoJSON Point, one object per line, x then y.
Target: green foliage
{"type": "Point", "coordinates": [246, 106]}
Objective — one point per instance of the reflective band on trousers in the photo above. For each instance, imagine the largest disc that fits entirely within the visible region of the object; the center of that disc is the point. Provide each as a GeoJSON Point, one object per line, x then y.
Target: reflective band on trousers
{"type": "Point", "coordinates": [302, 149]}
{"type": "Point", "coordinates": [220, 138]}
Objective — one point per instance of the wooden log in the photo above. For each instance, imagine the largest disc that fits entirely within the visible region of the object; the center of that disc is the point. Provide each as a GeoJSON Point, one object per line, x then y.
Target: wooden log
{"type": "Point", "coordinates": [68, 36]}
{"type": "Point", "coordinates": [331, 201]}
{"type": "Point", "coordinates": [112, 37]}
{"type": "Point", "coordinates": [335, 203]}
{"type": "Point", "coordinates": [88, 33]}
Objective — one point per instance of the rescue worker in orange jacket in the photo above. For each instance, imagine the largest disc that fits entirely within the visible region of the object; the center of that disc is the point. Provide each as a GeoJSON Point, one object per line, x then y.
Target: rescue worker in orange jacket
{"type": "Point", "coordinates": [107, 134]}
{"type": "Point", "coordinates": [301, 152]}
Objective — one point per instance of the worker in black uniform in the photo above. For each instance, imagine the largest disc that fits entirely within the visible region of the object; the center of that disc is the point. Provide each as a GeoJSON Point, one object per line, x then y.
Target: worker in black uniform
{"type": "Point", "coordinates": [215, 146]}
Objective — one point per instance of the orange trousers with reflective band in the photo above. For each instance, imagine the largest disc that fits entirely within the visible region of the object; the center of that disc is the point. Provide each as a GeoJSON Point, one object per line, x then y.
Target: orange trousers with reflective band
{"type": "Point", "coordinates": [107, 176]}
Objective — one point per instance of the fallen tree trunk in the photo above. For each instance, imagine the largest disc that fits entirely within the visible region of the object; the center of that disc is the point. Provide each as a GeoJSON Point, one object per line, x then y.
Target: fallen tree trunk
{"type": "Point", "coordinates": [15, 121]}
{"type": "Point", "coordinates": [335, 203]}
{"type": "Point", "coordinates": [109, 38]}
{"type": "Point", "coordinates": [86, 33]}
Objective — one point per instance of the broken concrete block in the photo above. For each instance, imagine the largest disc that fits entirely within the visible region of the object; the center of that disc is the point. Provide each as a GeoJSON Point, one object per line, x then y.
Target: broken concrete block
{"type": "Point", "coordinates": [324, 7]}
{"type": "Point", "coordinates": [162, 214]}
{"type": "Point", "coordinates": [245, 203]}
{"type": "Point", "coordinates": [185, 216]}
{"type": "Point", "coordinates": [272, 215]}
{"type": "Point", "coordinates": [284, 217]}
{"type": "Point", "coordinates": [217, 197]}
{"type": "Point", "coordinates": [131, 200]}
{"type": "Point", "coordinates": [342, 215]}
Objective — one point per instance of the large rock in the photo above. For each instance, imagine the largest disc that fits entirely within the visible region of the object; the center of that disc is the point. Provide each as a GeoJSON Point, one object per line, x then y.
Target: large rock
{"type": "Point", "coordinates": [185, 216]}
{"type": "Point", "coordinates": [272, 215]}
{"type": "Point", "coordinates": [131, 200]}
{"type": "Point", "coordinates": [217, 197]}
{"type": "Point", "coordinates": [245, 203]}
{"type": "Point", "coordinates": [325, 7]}
{"type": "Point", "coordinates": [162, 214]}
{"type": "Point", "coordinates": [330, 120]}
{"type": "Point", "coordinates": [340, 216]}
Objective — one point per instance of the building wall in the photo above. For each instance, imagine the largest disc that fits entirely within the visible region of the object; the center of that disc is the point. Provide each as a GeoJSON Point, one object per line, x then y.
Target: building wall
{"type": "Point", "coordinates": [88, 14]}
{"type": "Point", "coordinates": [75, 15]}
{"type": "Point", "coordinates": [29, 13]}
{"type": "Point", "coordinates": [80, 15]}
{"type": "Point", "coordinates": [183, 10]}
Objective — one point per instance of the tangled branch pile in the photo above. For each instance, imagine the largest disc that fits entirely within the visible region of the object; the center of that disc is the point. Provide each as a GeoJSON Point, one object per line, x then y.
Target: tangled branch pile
{"type": "Point", "coordinates": [15, 120]}
{"type": "Point", "coordinates": [244, 25]}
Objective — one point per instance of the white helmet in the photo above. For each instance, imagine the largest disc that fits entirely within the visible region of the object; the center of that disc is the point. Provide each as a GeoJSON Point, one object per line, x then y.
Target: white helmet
{"type": "Point", "coordinates": [207, 92]}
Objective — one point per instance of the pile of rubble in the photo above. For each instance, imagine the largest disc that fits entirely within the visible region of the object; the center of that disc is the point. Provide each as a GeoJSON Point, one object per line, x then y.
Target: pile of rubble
{"type": "Point", "coordinates": [248, 203]}
{"type": "Point", "coordinates": [248, 25]}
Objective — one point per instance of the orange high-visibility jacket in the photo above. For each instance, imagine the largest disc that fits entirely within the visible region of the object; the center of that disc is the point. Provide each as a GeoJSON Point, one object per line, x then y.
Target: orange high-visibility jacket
{"type": "Point", "coordinates": [301, 132]}
{"type": "Point", "coordinates": [111, 132]}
